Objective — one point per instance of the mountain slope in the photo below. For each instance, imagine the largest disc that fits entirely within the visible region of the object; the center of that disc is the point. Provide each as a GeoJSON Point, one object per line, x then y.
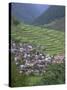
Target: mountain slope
{"type": "Point", "coordinates": [58, 24]}
{"type": "Point", "coordinates": [51, 14]}
{"type": "Point", "coordinates": [27, 12]}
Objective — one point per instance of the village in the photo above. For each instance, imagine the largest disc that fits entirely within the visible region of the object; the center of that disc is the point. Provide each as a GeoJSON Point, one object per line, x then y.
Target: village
{"type": "Point", "coordinates": [29, 60]}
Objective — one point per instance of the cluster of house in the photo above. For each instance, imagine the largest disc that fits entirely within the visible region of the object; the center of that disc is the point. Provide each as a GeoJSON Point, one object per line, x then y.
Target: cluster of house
{"type": "Point", "coordinates": [29, 60]}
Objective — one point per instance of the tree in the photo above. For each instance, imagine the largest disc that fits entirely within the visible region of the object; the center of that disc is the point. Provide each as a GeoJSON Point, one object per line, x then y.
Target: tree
{"type": "Point", "coordinates": [55, 74]}
{"type": "Point", "coordinates": [14, 21]}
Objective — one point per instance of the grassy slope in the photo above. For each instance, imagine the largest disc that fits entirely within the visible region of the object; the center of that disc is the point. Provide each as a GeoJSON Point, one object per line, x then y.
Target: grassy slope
{"type": "Point", "coordinates": [58, 24]}
{"type": "Point", "coordinates": [52, 40]}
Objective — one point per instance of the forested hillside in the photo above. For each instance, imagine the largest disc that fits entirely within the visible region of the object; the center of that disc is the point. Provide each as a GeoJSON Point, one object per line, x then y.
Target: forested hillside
{"type": "Point", "coordinates": [27, 12]}
{"type": "Point", "coordinates": [51, 14]}
{"type": "Point", "coordinates": [58, 24]}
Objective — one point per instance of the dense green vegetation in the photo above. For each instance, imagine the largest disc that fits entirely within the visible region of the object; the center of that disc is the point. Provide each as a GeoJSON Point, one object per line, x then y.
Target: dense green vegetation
{"type": "Point", "coordinates": [50, 40]}
{"type": "Point", "coordinates": [54, 74]}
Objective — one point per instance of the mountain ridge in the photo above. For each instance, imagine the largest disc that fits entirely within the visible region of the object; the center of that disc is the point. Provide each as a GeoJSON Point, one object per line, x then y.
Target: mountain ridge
{"type": "Point", "coordinates": [27, 12]}
{"type": "Point", "coordinates": [52, 13]}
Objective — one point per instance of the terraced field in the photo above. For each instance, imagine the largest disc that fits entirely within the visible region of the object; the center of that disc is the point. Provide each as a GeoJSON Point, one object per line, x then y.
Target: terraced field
{"type": "Point", "coordinates": [50, 40]}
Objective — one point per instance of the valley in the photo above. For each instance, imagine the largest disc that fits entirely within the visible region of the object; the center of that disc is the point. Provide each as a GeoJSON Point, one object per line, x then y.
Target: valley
{"type": "Point", "coordinates": [37, 44]}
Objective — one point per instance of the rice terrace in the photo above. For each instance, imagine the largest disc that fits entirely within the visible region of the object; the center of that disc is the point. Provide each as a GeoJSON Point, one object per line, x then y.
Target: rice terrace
{"type": "Point", "coordinates": [37, 46]}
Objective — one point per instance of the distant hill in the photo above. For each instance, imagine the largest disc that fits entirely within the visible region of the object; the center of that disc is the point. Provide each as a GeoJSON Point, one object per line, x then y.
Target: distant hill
{"type": "Point", "coordinates": [51, 14]}
{"type": "Point", "coordinates": [58, 24]}
{"type": "Point", "coordinates": [27, 12]}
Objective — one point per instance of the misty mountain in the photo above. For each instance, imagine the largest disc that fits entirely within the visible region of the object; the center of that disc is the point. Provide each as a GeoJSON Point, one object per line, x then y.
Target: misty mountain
{"type": "Point", "coordinates": [27, 12]}
{"type": "Point", "coordinates": [51, 14]}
